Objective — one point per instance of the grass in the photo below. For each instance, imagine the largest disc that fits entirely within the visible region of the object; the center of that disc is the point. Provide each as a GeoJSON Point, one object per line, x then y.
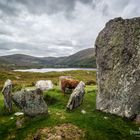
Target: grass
{"type": "Point", "coordinates": [25, 79]}
{"type": "Point", "coordinates": [97, 125]}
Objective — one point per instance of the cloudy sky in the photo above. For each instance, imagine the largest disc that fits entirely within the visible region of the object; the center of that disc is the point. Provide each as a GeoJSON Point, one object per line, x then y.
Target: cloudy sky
{"type": "Point", "coordinates": [57, 27]}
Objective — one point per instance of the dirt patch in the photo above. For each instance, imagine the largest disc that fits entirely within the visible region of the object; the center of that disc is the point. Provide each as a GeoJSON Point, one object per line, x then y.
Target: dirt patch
{"type": "Point", "coordinates": [60, 132]}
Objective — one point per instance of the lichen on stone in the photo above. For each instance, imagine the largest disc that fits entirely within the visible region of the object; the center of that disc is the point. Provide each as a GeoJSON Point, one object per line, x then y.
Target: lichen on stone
{"type": "Point", "coordinates": [118, 64]}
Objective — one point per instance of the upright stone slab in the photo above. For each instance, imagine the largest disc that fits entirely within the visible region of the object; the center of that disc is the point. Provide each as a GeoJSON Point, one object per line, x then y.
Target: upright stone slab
{"type": "Point", "coordinates": [118, 65]}
{"type": "Point", "coordinates": [76, 98]}
{"type": "Point", "coordinates": [7, 93]}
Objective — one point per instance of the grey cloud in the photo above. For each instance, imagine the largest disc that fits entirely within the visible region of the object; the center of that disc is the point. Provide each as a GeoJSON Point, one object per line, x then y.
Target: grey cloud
{"type": "Point", "coordinates": [8, 7]}
{"type": "Point", "coordinates": [12, 7]}
{"type": "Point", "coordinates": [49, 6]}
{"type": "Point", "coordinates": [5, 33]}
{"type": "Point", "coordinates": [123, 4]}
{"type": "Point", "coordinates": [57, 27]}
{"type": "Point", "coordinates": [23, 48]}
{"type": "Point", "coordinates": [105, 10]}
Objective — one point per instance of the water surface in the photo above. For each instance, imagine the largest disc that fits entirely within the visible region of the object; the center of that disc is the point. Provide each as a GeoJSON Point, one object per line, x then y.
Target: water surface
{"type": "Point", "coordinates": [43, 70]}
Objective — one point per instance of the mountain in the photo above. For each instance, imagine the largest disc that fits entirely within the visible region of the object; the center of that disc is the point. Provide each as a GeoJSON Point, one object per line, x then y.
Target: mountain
{"type": "Point", "coordinates": [84, 58]}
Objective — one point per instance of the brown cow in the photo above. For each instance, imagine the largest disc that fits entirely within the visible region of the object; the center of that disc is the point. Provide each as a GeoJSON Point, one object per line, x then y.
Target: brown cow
{"type": "Point", "coordinates": [67, 84]}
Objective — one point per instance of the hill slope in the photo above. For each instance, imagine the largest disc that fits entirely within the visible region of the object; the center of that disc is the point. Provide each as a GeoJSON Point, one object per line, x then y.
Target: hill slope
{"type": "Point", "coordinates": [84, 58]}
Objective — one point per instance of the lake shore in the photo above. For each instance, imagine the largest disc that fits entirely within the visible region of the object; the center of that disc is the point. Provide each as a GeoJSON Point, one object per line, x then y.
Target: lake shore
{"type": "Point", "coordinates": [44, 70]}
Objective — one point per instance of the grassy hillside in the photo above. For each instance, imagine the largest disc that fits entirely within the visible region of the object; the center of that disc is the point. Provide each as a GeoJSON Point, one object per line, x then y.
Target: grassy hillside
{"type": "Point", "coordinates": [84, 58]}
{"type": "Point", "coordinates": [21, 61]}
{"type": "Point", "coordinates": [97, 125]}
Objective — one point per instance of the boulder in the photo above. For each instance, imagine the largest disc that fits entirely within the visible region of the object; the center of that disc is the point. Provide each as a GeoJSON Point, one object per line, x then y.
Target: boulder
{"type": "Point", "coordinates": [67, 84]}
{"type": "Point", "coordinates": [44, 84]}
{"type": "Point", "coordinates": [76, 98]}
{"type": "Point", "coordinates": [31, 102]}
{"type": "Point", "coordinates": [7, 93]}
{"type": "Point", "coordinates": [118, 67]}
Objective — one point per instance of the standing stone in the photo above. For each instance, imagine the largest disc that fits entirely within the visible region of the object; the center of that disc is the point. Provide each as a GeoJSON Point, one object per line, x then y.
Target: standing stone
{"type": "Point", "coordinates": [44, 84]}
{"type": "Point", "coordinates": [77, 96]}
{"type": "Point", "coordinates": [7, 93]}
{"type": "Point", "coordinates": [31, 102]}
{"type": "Point", "coordinates": [118, 67]}
{"type": "Point", "coordinates": [67, 84]}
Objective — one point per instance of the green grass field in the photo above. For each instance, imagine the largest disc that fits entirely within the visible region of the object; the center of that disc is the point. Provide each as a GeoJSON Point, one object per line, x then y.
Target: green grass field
{"type": "Point", "coordinates": [97, 125]}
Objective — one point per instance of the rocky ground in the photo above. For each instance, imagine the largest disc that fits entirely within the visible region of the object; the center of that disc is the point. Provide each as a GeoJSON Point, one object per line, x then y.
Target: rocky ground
{"type": "Point", "coordinates": [59, 132]}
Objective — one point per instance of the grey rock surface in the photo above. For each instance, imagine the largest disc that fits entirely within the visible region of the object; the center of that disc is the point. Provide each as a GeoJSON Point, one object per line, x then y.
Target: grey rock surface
{"type": "Point", "coordinates": [76, 98]}
{"type": "Point", "coordinates": [44, 84]}
{"type": "Point", "coordinates": [118, 67]}
{"type": "Point", "coordinates": [7, 93]}
{"type": "Point", "coordinates": [31, 102]}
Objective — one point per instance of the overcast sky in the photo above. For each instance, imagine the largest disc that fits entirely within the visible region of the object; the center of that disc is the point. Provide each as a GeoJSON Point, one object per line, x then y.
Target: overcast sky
{"type": "Point", "coordinates": [57, 27]}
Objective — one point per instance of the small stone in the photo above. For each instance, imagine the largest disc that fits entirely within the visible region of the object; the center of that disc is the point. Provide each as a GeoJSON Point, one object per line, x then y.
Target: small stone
{"type": "Point", "coordinates": [19, 114]}
{"type": "Point", "coordinates": [83, 111]}
{"type": "Point", "coordinates": [105, 118]}
{"type": "Point", "coordinates": [11, 118]}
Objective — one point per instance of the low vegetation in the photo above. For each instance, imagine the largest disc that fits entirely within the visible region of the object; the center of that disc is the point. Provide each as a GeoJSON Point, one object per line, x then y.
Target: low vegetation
{"type": "Point", "coordinates": [27, 79]}
{"type": "Point", "coordinates": [96, 125]}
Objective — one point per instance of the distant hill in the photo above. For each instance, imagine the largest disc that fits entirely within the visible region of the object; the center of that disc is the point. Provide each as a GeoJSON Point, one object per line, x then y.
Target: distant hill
{"type": "Point", "coordinates": [84, 58]}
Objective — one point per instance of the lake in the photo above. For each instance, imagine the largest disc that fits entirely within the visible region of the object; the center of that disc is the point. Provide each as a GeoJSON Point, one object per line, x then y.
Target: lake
{"type": "Point", "coordinates": [43, 70]}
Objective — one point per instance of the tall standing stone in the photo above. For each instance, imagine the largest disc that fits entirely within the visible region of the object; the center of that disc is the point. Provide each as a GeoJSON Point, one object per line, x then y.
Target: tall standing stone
{"type": "Point", "coordinates": [118, 66]}
{"type": "Point", "coordinates": [7, 93]}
